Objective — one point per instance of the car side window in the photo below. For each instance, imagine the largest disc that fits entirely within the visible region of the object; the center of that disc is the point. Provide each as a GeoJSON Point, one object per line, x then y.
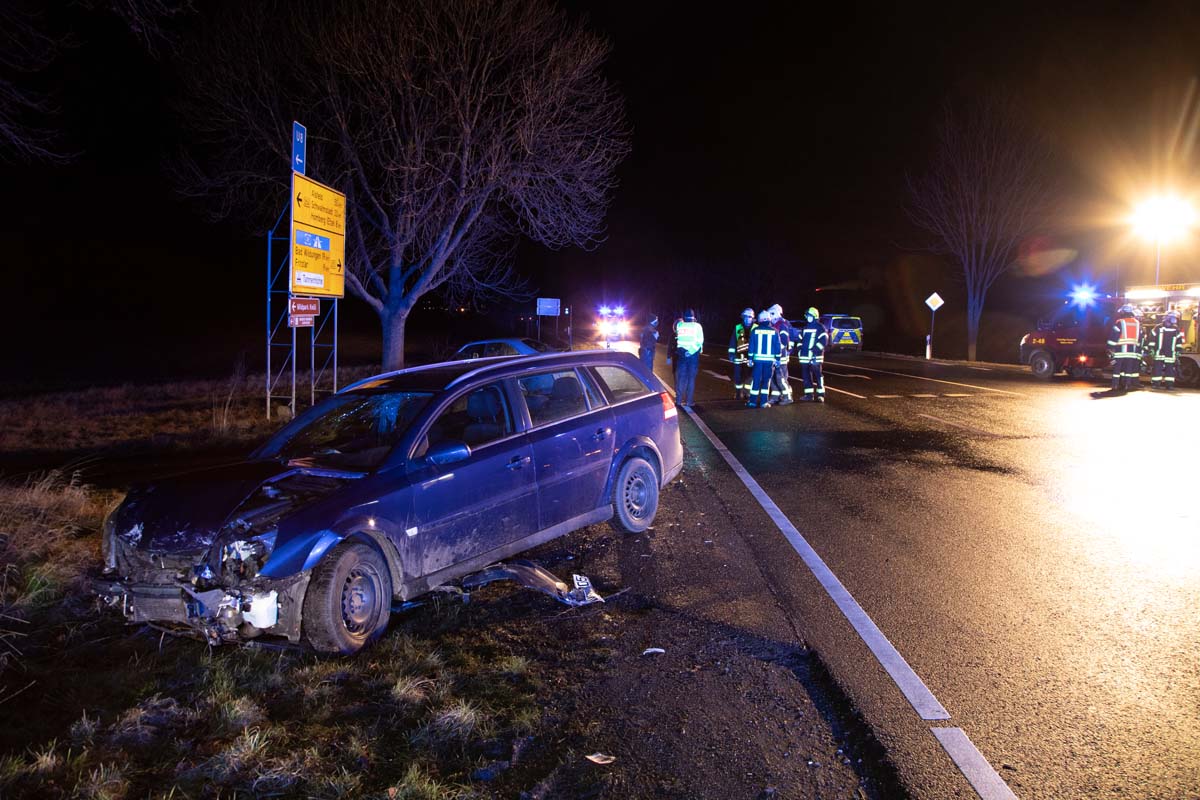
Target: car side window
{"type": "Point", "coordinates": [474, 351]}
{"type": "Point", "coordinates": [551, 396]}
{"type": "Point", "coordinates": [475, 419]}
{"type": "Point", "coordinates": [494, 349]}
{"type": "Point", "coordinates": [621, 383]}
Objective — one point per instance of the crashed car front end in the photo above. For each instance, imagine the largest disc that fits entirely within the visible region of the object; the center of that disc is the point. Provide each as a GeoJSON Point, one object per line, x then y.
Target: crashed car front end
{"type": "Point", "coordinates": [206, 580]}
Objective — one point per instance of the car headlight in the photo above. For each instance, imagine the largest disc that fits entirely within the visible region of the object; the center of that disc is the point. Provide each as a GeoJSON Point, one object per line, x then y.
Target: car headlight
{"type": "Point", "coordinates": [605, 328]}
{"type": "Point", "coordinates": [622, 328]}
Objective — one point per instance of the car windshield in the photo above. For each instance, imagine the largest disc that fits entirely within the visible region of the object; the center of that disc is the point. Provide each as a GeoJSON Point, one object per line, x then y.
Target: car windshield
{"type": "Point", "coordinates": [540, 347]}
{"type": "Point", "coordinates": [357, 430]}
{"type": "Point", "coordinates": [847, 322]}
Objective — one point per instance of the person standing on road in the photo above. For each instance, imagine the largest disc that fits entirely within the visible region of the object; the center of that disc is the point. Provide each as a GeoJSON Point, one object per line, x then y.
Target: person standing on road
{"type": "Point", "coordinates": [781, 387]}
{"type": "Point", "coordinates": [649, 342]}
{"type": "Point", "coordinates": [739, 356]}
{"type": "Point", "coordinates": [810, 351]}
{"type": "Point", "coordinates": [1167, 341]}
{"type": "Point", "coordinates": [1123, 340]}
{"type": "Point", "coordinates": [765, 350]}
{"type": "Point", "coordinates": [689, 339]}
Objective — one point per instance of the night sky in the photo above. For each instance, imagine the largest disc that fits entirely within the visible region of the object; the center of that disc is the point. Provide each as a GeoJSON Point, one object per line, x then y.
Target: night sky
{"type": "Point", "coordinates": [770, 149]}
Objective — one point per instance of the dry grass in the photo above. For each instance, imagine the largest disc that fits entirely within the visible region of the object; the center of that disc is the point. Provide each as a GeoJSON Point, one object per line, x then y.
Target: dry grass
{"type": "Point", "coordinates": [184, 413]}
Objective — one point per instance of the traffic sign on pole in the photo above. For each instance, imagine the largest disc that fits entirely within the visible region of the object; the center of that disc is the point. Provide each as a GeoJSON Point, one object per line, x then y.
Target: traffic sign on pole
{"type": "Point", "coordinates": [548, 306]}
{"type": "Point", "coordinates": [934, 301]}
{"type": "Point", "coordinates": [304, 306]}
{"type": "Point", "coordinates": [318, 238]}
{"type": "Point", "coordinates": [299, 147]}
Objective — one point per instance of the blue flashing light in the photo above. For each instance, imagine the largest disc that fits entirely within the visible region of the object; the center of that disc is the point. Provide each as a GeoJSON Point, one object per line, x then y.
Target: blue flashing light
{"type": "Point", "coordinates": [1084, 295]}
{"type": "Point", "coordinates": [619, 311]}
{"type": "Point", "coordinates": [605, 311]}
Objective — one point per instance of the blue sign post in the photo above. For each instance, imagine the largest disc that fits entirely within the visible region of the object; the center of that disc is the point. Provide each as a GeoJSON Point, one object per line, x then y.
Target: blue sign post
{"type": "Point", "coordinates": [299, 147]}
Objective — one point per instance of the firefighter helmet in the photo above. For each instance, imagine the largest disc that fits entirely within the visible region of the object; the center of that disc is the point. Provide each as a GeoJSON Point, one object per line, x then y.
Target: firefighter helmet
{"type": "Point", "coordinates": [748, 312]}
{"type": "Point", "coordinates": [1171, 318]}
{"type": "Point", "coordinates": [764, 317]}
{"type": "Point", "coordinates": [812, 313]}
{"type": "Point", "coordinates": [775, 311]}
{"type": "Point", "coordinates": [1126, 309]}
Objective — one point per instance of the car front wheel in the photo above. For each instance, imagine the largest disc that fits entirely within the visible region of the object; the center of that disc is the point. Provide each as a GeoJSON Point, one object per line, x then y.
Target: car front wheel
{"type": "Point", "coordinates": [635, 496]}
{"type": "Point", "coordinates": [349, 600]}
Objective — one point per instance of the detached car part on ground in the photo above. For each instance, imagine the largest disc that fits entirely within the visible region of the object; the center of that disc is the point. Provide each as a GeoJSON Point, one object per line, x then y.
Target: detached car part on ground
{"type": "Point", "coordinates": [394, 486]}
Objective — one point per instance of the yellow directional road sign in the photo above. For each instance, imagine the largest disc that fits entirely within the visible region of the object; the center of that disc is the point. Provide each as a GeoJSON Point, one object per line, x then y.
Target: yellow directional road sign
{"type": "Point", "coordinates": [318, 238]}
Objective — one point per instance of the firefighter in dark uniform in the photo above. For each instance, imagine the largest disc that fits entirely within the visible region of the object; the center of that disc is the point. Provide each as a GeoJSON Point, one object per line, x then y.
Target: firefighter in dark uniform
{"type": "Point", "coordinates": [810, 349]}
{"type": "Point", "coordinates": [1167, 342]}
{"type": "Point", "coordinates": [765, 350]}
{"type": "Point", "coordinates": [649, 342]}
{"type": "Point", "coordinates": [781, 387]}
{"type": "Point", "coordinates": [1124, 340]}
{"type": "Point", "coordinates": [739, 355]}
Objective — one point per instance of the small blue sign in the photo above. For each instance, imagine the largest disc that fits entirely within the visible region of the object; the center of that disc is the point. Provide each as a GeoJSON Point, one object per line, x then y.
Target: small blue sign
{"type": "Point", "coordinates": [299, 146]}
{"type": "Point", "coordinates": [312, 240]}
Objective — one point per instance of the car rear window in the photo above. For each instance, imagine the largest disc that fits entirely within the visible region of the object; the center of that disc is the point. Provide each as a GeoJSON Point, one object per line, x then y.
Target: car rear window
{"type": "Point", "coordinates": [551, 396]}
{"type": "Point", "coordinates": [620, 383]}
{"type": "Point", "coordinates": [847, 322]}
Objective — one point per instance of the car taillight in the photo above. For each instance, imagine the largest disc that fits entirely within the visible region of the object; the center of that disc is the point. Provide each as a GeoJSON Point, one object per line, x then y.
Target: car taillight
{"type": "Point", "coordinates": [669, 409]}
{"type": "Point", "coordinates": [1083, 359]}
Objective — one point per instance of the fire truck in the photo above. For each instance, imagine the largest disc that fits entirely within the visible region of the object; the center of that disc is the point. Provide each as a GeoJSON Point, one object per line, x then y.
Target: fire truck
{"type": "Point", "coordinates": [1075, 338]}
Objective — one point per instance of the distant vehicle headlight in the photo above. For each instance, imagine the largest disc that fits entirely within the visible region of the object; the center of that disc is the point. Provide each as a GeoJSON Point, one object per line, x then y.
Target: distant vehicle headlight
{"type": "Point", "coordinates": [622, 328]}
{"type": "Point", "coordinates": [606, 327]}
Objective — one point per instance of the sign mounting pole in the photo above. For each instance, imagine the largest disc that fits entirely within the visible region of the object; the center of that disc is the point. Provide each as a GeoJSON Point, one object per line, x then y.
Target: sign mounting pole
{"type": "Point", "coordinates": [934, 301]}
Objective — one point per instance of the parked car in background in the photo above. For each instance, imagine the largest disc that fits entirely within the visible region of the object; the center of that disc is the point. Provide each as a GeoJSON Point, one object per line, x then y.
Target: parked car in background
{"type": "Point", "coordinates": [490, 348]}
{"type": "Point", "coordinates": [393, 486]}
{"type": "Point", "coordinates": [845, 331]}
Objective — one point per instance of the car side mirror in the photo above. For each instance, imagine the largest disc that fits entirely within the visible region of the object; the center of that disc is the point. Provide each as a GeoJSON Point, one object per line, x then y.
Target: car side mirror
{"type": "Point", "coordinates": [448, 452]}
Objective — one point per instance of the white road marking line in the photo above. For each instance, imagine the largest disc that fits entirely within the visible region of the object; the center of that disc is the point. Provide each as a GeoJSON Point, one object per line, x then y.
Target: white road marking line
{"type": "Point", "coordinates": [981, 369]}
{"type": "Point", "coordinates": [923, 378]}
{"type": "Point", "coordinates": [986, 782]}
{"type": "Point", "coordinates": [910, 685]}
{"type": "Point", "coordinates": [718, 375]}
{"type": "Point", "coordinates": [829, 388]}
{"type": "Point", "coordinates": [971, 428]}
{"type": "Point", "coordinates": [887, 396]}
{"type": "Point", "coordinates": [847, 375]}
{"type": "Point", "coordinates": [955, 395]}
{"type": "Point", "coordinates": [923, 395]}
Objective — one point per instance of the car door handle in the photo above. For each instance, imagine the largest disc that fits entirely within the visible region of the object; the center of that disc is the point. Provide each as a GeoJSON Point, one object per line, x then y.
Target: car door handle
{"type": "Point", "coordinates": [601, 434]}
{"type": "Point", "coordinates": [518, 462]}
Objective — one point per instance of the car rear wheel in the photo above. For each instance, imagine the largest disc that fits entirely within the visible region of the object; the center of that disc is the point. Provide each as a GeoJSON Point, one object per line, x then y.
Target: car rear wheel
{"type": "Point", "coordinates": [349, 600]}
{"type": "Point", "coordinates": [635, 496]}
{"type": "Point", "coordinates": [1042, 364]}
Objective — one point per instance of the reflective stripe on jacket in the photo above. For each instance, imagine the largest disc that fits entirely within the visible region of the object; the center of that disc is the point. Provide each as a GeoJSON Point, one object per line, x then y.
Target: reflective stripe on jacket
{"type": "Point", "coordinates": [764, 343]}
{"type": "Point", "coordinates": [1168, 342]}
{"type": "Point", "coordinates": [689, 337]}
{"type": "Point", "coordinates": [739, 342]}
{"type": "Point", "coordinates": [1124, 336]}
{"type": "Point", "coordinates": [813, 339]}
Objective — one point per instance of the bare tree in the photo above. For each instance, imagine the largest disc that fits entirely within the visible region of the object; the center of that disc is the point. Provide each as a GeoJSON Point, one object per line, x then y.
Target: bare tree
{"type": "Point", "coordinates": [25, 50]}
{"type": "Point", "coordinates": [453, 127]}
{"type": "Point", "coordinates": [987, 190]}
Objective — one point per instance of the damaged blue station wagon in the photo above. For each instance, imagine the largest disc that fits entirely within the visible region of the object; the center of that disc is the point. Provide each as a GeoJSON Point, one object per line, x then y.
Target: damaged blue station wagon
{"type": "Point", "coordinates": [394, 486]}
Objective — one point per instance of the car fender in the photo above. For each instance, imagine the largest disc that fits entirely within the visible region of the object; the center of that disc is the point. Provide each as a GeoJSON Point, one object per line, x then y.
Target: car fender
{"type": "Point", "coordinates": [640, 445]}
{"type": "Point", "coordinates": [303, 553]}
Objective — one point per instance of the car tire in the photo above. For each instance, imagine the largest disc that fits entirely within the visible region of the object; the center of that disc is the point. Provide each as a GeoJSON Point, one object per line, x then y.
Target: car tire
{"type": "Point", "coordinates": [635, 496]}
{"type": "Point", "coordinates": [349, 599]}
{"type": "Point", "coordinates": [1042, 365]}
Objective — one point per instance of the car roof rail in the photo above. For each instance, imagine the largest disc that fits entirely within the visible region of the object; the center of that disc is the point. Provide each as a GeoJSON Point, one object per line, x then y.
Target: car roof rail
{"type": "Point", "coordinates": [407, 370]}
{"type": "Point", "coordinates": [570, 354]}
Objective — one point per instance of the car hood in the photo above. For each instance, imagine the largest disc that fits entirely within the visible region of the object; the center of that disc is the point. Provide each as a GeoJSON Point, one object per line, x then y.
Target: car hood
{"type": "Point", "coordinates": [185, 513]}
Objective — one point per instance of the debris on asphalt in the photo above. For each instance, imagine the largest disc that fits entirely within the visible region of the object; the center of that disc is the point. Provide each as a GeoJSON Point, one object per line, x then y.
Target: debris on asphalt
{"type": "Point", "coordinates": [601, 758]}
{"type": "Point", "coordinates": [536, 577]}
{"type": "Point", "coordinates": [649, 651]}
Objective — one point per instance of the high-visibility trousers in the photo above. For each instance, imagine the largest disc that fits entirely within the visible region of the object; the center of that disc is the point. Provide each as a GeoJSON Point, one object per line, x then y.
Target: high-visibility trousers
{"type": "Point", "coordinates": [1165, 372]}
{"type": "Point", "coordinates": [760, 387]}
{"type": "Point", "coordinates": [814, 382]}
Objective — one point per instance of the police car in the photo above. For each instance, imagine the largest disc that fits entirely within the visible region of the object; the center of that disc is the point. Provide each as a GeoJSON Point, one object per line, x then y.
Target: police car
{"type": "Point", "coordinates": [845, 331]}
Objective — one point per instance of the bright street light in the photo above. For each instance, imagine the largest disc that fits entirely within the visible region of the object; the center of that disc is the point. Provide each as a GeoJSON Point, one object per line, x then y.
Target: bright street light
{"type": "Point", "coordinates": [1162, 219]}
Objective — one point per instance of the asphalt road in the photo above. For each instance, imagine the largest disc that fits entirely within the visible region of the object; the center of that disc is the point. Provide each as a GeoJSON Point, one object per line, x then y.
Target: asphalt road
{"type": "Point", "coordinates": [1031, 552]}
